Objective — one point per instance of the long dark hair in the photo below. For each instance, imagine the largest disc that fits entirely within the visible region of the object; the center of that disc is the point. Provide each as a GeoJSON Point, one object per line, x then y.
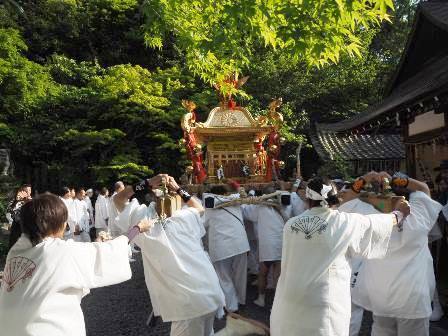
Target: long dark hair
{"type": "Point", "coordinates": [43, 216]}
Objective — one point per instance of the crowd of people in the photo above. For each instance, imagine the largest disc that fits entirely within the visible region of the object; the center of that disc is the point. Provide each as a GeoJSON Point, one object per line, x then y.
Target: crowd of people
{"type": "Point", "coordinates": [328, 254]}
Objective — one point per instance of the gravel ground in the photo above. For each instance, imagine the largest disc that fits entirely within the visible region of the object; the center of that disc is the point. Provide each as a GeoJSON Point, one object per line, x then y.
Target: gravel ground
{"type": "Point", "coordinates": [123, 310]}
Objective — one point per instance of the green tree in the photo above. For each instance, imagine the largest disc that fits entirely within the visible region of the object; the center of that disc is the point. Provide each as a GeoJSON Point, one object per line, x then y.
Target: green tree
{"type": "Point", "coordinates": [220, 37]}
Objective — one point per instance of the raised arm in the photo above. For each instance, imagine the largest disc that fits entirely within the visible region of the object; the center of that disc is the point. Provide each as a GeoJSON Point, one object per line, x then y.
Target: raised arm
{"type": "Point", "coordinates": [186, 197]}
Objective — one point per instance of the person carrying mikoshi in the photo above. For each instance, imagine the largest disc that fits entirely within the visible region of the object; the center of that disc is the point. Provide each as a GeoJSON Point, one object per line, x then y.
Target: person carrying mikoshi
{"type": "Point", "coordinates": [351, 203]}
{"type": "Point", "coordinates": [227, 245]}
{"type": "Point", "coordinates": [46, 277]}
{"type": "Point", "coordinates": [313, 291]}
{"type": "Point", "coordinates": [181, 281]}
{"type": "Point", "coordinates": [269, 221]}
{"type": "Point", "coordinates": [399, 288]}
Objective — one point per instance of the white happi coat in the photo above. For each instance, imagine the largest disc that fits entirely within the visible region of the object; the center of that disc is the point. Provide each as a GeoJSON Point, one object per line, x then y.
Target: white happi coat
{"type": "Point", "coordinates": [81, 215]}
{"type": "Point", "coordinates": [89, 209]}
{"type": "Point", "coordinates": [313, 291]}
{"type": "Point", "coordinates": [114, 214]}
{"type": "Point", "coordinates": [402, 284]}
{"type": "Point", "coordinates": [226, 232]}
{"type": "Point", "coordinates": [181, 280]}
{"type": "Point", "coordinates": [71, 220]}
{"type": "Point", "coordinates": [43, 285]}
{"type": "Point", "coordinates": [101, 212]}
{"type": "Point", "coordinates": [269, 229]}
{"type": "Point", "coordinates": [362, 208]}
{"type": "Point", "coordinates": [297, 204]}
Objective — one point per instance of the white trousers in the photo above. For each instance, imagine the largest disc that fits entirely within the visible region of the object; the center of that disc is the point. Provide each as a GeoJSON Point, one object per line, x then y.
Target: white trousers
{"type": "Point", "coordinates": [199, 326]}
{"type": "Point", "coordinates": [390, 326]}
{"type": "Point", "coordinates": [82, 237]}
{"type": "Point", "coordinates": [356, 319]}
{"type": "Point", "coordinates": [232, 274]}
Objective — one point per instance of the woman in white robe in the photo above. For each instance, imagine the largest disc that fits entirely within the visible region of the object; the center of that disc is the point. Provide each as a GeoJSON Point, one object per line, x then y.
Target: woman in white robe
{"type": "Point", "coordinates": [313, 292]}
{"type": "Point", "coordinates": [46, 277]}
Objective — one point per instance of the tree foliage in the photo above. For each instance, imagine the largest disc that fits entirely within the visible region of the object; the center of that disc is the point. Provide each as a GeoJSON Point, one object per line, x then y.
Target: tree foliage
{"type": "Point", "coordinates": [222, 36]}
{"type": "Point", "coordinates": [81, 94]}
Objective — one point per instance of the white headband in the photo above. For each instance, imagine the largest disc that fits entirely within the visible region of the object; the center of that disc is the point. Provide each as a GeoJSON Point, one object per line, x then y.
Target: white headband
{"type": "Point", "coordinates": [311, 194]}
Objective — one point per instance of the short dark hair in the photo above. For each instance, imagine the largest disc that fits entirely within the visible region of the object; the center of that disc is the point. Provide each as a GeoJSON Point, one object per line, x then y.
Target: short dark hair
{"type": "Point", "coordinates": [218, 190]}
{"type": "Point", "coordinates": [103, 191]}
{"type": "Point", "coordinates": [79, 189]}
{"type": "Point", "coordinates": [316, 184]}
{"type": "Point", "coordinates": [43, 216]}
{"type": "Point", "coordinates": [64, 191]}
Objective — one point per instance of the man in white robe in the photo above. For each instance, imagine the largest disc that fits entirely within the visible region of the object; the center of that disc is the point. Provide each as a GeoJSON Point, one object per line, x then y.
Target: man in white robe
{"type": "Point", "coordinates": [66, 197]}
{"type": "Point", "coordinates": [102, 212]}
{"type": "Point", "coordinates": [182, 283]}
{"type": "Point", "coordinates": [270, 222]}
{"type": "Point", "coordinates": [81, 218]}
{"type": "Point", "coordinates": [119, 188]}
{"type": "Point", "coordinates": [88, 200]}
{"type": "Point", "coordinates": [399, 288]}
{"type": "Point", "coordinates": [313, 291]}
{"type": "Point", "coordinates": [228, 246]}
{"type": "Point", "coordinates": [352, 204]}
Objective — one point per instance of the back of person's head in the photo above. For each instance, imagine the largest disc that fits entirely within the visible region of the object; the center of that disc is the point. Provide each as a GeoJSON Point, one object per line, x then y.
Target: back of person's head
{"type": "Point", "coordinates": [44, 216]}
{"type": "Point", "coordinates": [118, 186]}
{"type": "Point", "coordinates": [64, 191]}
{"type": "Point", "coordinates": [269, 189]}
{"type": "Point", "coordinates": [104, 191]}
{"type": "Point", "coordinates": [218, 190]}
{"type": "Point", "coordinates": [317, 184]}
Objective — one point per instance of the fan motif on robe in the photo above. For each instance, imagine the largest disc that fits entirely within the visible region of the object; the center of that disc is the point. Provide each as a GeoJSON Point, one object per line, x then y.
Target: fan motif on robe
{"type": "Point", "coordinates": [309, 225]}
{"type": "Point", "coordinates": [18, 268]}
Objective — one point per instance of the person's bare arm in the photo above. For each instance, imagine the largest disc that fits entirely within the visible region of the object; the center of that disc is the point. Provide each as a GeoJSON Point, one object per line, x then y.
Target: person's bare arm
{"type": "Point", "coordinates": [408, 183]}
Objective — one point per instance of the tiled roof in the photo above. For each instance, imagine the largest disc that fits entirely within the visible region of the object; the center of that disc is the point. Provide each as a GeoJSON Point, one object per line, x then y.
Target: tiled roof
{"type": "Point", "coordinates": [331, 146]}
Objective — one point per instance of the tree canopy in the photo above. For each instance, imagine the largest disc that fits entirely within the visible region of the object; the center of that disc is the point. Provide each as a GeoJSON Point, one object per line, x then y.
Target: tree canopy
{"type": "Point", "coordinates": [82, 96]}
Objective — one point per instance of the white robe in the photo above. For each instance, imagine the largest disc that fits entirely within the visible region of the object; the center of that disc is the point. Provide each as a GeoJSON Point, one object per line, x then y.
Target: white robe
{"type": "Point", "coordinates": [81, 215]}
{"type": "Point", "coordinates": [269, 229]}
{"type": "Point", "coordinates": [362, 208]}
{"type": "Point", "coordinates": [226, 232]}
{"type": "Point", "coordinates": [101, 212]}
{"type": "Point", "coordinates": [90, 210]}
{"type": "Point", "coordinates": [402, 284]}
{"type": "Point", "coordinates": [181, 280]}
{"type": "Point", "coordinates": [313, 291]}
{"type": "Point", "coordinates": [49, 281]}
{"type": "Point", "coordinates": [71, 220]}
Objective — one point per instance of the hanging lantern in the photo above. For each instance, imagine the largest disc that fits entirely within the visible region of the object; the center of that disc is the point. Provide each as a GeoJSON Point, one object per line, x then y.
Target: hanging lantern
{"type": "Point", "coordinates": [189, 169]}
{"type": "Point", "coordinates": [282, 141]}
{"type": "Point", "coordinates": [273, 148]}
{"type": "Point", "coordinates": [281, 164]}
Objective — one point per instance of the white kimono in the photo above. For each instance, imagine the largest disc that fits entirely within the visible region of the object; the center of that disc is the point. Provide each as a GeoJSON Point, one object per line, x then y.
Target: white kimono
{"type": "Point", "coordinates": [313, 292]}
{"type": "Point", "coordinates": [114, 218]}
{"type": "Point", "coordinates": [71, 220]}
{"type": "Point", "coordinates": [226, 232]}
{"type": "Point", "coordinates": [269, 229]}
{"type": "Point", "coordinates": [179, 275]}
{"type": "Point", "coordinates": [362, 208]}
{"type": "Point", "coordinates": [101, 212]}
{"type": "Point", "coordinates": [402, 284]}
{"type": "Point", "coordinates": [81, 215]}
{"type": "Point", "coordinates": [43, 285]}
{"type": "Point", "coordinates": [90, 209]}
